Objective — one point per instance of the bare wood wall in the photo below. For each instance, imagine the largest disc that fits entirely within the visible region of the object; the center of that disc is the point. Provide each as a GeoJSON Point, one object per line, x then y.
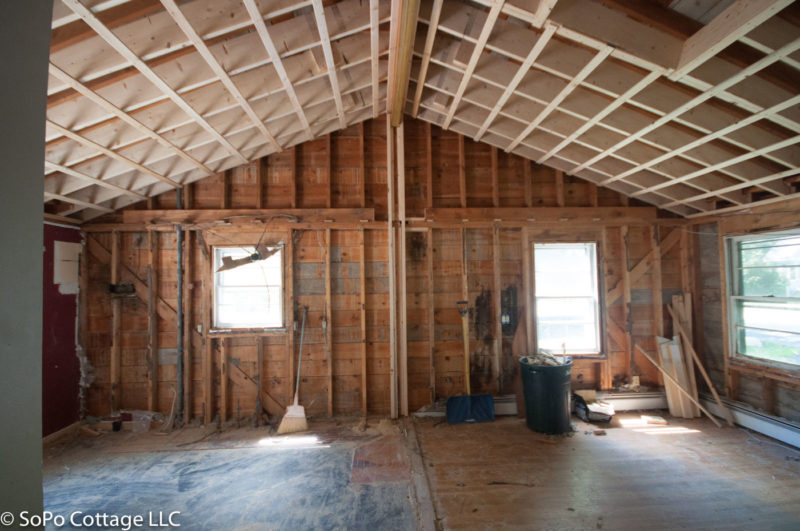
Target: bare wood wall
{"type": "Point", "coordinates": [340, 270]}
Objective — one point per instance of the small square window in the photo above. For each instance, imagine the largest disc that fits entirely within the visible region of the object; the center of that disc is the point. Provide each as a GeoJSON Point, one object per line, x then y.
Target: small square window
{"type": "Point", "coordinates": [251, 295]}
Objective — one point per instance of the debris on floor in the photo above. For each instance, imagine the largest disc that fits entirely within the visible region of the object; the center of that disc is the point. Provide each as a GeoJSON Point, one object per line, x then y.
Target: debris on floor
{"type": "Point", "coordinates": [594, 411]}
{"type": "Point", "coordinates": [649, 419]}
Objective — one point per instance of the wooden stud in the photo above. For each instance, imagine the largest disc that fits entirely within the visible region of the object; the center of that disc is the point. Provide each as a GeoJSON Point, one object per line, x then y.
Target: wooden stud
{"type": "Point", "coordinates": [374, 44]}
{"type": "Point", "coordinates": [261, 181]}
{"type": "Point", "coordinates": [362, 167]}
{"type": "Point", "coordinates": [528, 182]}
{"type": "Point", "coordinates": [731, 377]}
{"type": "Point", "coordinates": [559, 187]}
{"type": "Point", "coordinates": [116, 322]}
{"type": "Point", "coordinates": [329, 318]}
{"type": "Point", "coordinates": [436, 11]}
{"type": "Point", "coordinates": [462, 172]}
{"type": "Point", "coordinates": [328, 171]}
{"type": "Point", "coordinates": [626, 297]}
{"type": "Point", "coordinates": [327, 51]}
{"type": "Point", "coordinates": [465, 297]}
{"type": "Point", "coordinates": [223, 378]}
{"type": "Point", "coordinates": [363, 287]}
{"type": "Point", "coordinates": [428, 164]}
{"type": "Point", "coordinates": [152, 319]}
{"type": "Point", "coordinates": [527, 288]}
{"type": "Point", "coordinates": [431, 314]}
{"type": "Point", "coordinates": [188, 330]}
{"type": "Point", "coordinates": [293, 179]}
{"type": "Point", "coordinates": [403, 313]}
{"type": "Point", "coordinates": [225, 196]}
{"type": "Point", "coordinates": [658, 303]}
{"type": "Point", "coordinates": [403, 34]}
{"type": "Point", "coordinates": [496, 303]}
{"type": "Point", "coordinates": [289, 318]}
{"type": "Point", "coordinates": [495, 179]}
{"type": "Point", "coordinates": [208, 358]}
{"type": "Point", "coordinates": [390, 178]}
{"type": "Point", "coordinates": [593, 201]}
{"type": "Point", "coordinates": [92, 180]}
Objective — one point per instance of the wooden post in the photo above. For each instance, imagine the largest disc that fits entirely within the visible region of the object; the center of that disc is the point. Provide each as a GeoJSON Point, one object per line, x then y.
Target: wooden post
{"type": "Point", "coordinates": [559, 181]}
{"type": "Point", "coordinates": [261, 178]}
{"type": "Point", "coordinates": [329, 319]}
{"type": "Point", "coordinates": [188, 196]}
{"type": "Point", "coordinates": [496, 302]}
{"type": "Point", "coordinates": [731, 377]}
{"type": "Point", "coordinates": [329, 171]}
{"type": "Point", "coordinates": [527, 287]}
{"type": "Point", "coordinates": [392, 270]}
{"type": "Point", "coordinates": [223, 379]}
{"type": "Point", "coordinates": [289, 308]}
{"type": "Point", "coordinates": [363, 285]}
{"type": "Point", "coordinates": [527, 185]}
{"type": "Point", "coordinates": [293, 179]}
{"type": "Point", "coordinates": [462, 172]}
{"type": "Point", "coordinates": [428, 165]}
{"type": "Point", "coordinates": [152, 319]}
{"type": "Point", "coordinates": [465, 295]}
{"type": "Point", "coordinates": [431, 315]}
{"type": "Point", "coordinates": [606, 378]}
{"type": "Point", "coordinates": [495, 179]}
{"type": "Point", "coordinates": [116, 321]}
{"type": "Point", "coordinates": [626, 297]}
{"type": "Point", "coordinates": [362, 167]}
{"type": "Point", "coordinates": [593, 200]}
{"type": "Point", "coordinates": [188, 331]}
{"type": "Point", "coordinates": [403, 328]}
{"type": "Point", "coordinates": [658, 305]}
{"type": "Point", "coordinates": [226, 189]}
{"type": "Point", "coordinates": [208, 358]}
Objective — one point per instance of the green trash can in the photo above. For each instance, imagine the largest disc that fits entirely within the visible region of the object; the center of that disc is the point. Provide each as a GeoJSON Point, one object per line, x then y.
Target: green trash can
{"type": "Point", "coordinates": [547, 397]}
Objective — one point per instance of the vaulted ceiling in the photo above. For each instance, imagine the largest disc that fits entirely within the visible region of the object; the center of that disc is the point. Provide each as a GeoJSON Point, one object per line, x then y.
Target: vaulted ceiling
{"type": "Point", "coordinates": [690, 106]}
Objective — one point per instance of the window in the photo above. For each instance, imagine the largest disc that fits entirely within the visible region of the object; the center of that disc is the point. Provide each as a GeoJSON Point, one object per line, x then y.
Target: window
{"type": "Point", "coordinates": [764, 297]}
{"type": "Point", "coordinates": [566, 297]}
{"type": "Point", "coordinates": [251, 295]}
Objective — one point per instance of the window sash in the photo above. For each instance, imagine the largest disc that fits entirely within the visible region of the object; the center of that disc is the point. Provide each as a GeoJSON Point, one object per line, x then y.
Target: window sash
{"type": "Point", "coordinates": [260, 304]}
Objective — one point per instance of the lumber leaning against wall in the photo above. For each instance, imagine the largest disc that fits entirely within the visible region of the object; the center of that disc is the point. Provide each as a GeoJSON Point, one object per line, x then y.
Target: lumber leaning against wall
{"type": "Point", "coordinates": [338, 186]}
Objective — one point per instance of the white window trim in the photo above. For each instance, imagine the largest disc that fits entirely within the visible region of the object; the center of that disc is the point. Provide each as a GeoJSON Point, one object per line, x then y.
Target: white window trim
{"type": "Point", "coordinates": [599, 315]}
{"type": "Point", "coordinates": [731, 282]}
{"type": "Point", "coordinates": [214, 285]}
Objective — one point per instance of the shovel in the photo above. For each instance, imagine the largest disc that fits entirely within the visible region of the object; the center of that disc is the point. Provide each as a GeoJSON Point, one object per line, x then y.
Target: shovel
{"type": "Point", "coordinates": [468, 408]}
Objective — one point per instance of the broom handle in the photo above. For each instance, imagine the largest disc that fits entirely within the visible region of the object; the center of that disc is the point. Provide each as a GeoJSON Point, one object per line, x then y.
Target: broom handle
{"type": "Point", "coordinates": [465, 334]}
{"type": "Point", "coordinates": [300, 356]}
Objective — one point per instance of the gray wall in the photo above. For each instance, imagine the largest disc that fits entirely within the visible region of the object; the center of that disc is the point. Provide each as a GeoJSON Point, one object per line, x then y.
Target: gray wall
{"type": "Point", "coordinates": [24, 49]}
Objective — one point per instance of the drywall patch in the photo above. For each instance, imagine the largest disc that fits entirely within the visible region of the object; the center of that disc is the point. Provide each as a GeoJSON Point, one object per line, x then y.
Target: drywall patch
{"type": "Point", "coordinates": [66, 256]}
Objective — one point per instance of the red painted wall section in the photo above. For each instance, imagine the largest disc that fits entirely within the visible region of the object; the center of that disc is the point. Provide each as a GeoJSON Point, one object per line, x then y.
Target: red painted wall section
{"type": "Point", "coordinates": [60, 365]}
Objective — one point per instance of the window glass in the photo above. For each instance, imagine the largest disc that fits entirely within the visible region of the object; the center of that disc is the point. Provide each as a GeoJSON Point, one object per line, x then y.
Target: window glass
{"type": "Point", "coordinates": [251, 295]}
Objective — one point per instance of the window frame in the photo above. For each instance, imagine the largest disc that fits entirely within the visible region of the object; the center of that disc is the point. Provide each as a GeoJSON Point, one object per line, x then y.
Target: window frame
{"type": "Point", "coordinates": [732, 287]}
{"type": "Point", "coordinates": [599, 287]}
{"type": "Point", "coordinates": [244, 330]}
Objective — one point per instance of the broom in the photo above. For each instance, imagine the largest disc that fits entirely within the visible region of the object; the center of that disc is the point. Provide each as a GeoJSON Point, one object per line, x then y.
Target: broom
{"type": "Point", "coordinates": [295, 418]}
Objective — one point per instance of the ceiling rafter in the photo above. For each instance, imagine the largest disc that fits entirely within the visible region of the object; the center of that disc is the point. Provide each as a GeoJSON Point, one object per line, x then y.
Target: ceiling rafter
{"type": "Point", "coordinates": [522, 71]}
{"type": "Point", "coordinates": [110, 153]}
{"type": "Point", "coordinates": [322, 29]}
{"type": "Point", "coordinates": [436, 12]}
{"type": "Point", "coordinates": [374, 47]}
{"type": "Point", "coordinates": [180, 19]}
{"type": "Point", "coordinates": [486, 32]}
{"type": "Point", "coordinates": [49, 196]}
{"type": "Point", "coordinates": [146, 71]}
{"type": "Point", "coordinates": [125, 117]}
{"type": "Point", "coordinates": [566, 91]}
{"type": "Point", "coordinates": [761, 180]}
{"type": "Point", "coordinates": [92, 180]}
{"type": "Point", "coordinates": [277, 63]}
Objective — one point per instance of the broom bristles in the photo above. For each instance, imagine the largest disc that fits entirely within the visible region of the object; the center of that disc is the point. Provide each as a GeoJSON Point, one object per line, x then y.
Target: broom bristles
{"type": "Point", "coordinates": [294, 420]}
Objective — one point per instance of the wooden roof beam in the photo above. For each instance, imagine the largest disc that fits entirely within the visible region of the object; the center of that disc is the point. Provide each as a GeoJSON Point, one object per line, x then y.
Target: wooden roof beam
{"type": "Point", "coordinates": [726, 28]}
{"type": "Point", "coordinates": [121, 48]}
{"type": "Point", "coordinates": [277, 63]}
{"type": "Point", "coordinates": [697, 100]}
{"type": "Point", "coordinates": [112, 154]}
{"type": "Point", "coordinates": [755, 182]}
{"type": "Point", "coordinates": [49, 196]}
{"type": "Point", "coordinates": [486, 32]}
{"type": "Point", "coordinates": [93, 180]}
{"type": "Point", "coordinates": [522, 71]}
{"type": "Point", "coordinates": [374, 47]}
{"type": "Point", "coordinates": [401, 47]}
{"type": "Point", "coordinates": [566, 91]}
{"type": "Point", "coordinates": [201, 47]}
{"type": "Point", "coordinates": [125, 117]}
{"type": "Point", "coordinates": [433, 24]}
{"type": "Point", "coordinates": [325, 38]}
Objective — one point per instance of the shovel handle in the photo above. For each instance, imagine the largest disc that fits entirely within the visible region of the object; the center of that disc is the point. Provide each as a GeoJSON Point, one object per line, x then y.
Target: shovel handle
{"type": "Point", "coordinates": [462, 309]}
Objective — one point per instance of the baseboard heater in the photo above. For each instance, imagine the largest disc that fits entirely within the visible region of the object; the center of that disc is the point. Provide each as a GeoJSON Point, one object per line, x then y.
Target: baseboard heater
{"type": "Point", "coordinates": [748, 417]}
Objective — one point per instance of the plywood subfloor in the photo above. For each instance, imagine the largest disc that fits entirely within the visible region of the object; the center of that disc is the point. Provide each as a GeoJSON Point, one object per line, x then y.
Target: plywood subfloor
{"type": "Point", "coordinates": [332, 477]}
{"type": "Point", "coordinates": [687, 475]}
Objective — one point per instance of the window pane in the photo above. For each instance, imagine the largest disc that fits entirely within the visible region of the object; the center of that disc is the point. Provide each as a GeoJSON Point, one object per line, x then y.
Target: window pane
{"type": "Point", "coordinates": [567, 321]}
{"type": "Point", "coordinates": [769, 330]}
{"type": "Point", "coordinates": [773, 252]}
{"type": "Point", "coordinates": [248, 296]}
{"type": "Point", "coordinates": [564, 269]}
{"type": "Point", "coordinates": [771, 281]}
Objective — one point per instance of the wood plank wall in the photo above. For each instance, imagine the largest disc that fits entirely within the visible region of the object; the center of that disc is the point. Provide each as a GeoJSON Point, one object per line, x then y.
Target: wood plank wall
{"type": "Point", "coordinates": [480, 259]}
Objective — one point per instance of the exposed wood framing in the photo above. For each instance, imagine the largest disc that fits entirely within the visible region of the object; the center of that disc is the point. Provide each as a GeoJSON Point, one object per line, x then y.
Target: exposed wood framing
{"type": "Point", "coordinates": [374, 45]}
{"type": "Point", "coordinates": [431, 303]}
{"type": "Point", "coordinates": [404, 27]}
{"type": "Point", "coordinates": [328, 317]}
{"type": "Point", "coordinates": [223, 378]}
{"type": "Point", "coordinates": [402, 309]}
{"type": "Point", "coordinates": [462, 172]}
{"type": "Point", "coordinates": [322, 28]}
{"type": "Point", "coordinates": [115, 359]}
{"type": "Point", "coordinates": [188, 331]}
{"type": "Point", "coordinates": [390, 182]}
{"type": "Point", "coordinates": [497, 287]}
{"type": "Point", "coordinates": [436, 11]}
{"type": "Point", "coordinates": [363, 315]}
{"type": "Point", "coordinates": [152, 317]}
{"type": "Point", "coordinates": [495, 179]}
